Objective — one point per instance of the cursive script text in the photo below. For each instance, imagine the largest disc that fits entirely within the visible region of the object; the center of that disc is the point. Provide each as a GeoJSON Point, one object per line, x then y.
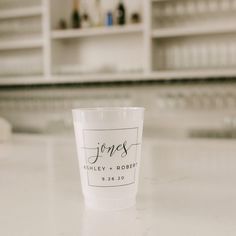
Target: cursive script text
{"type": "Point", "coordinates": [110, 150]}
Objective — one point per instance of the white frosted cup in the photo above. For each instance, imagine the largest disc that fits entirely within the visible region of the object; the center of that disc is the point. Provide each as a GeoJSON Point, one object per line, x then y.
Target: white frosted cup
{"type": "Point", "coordinates": [108, 144]}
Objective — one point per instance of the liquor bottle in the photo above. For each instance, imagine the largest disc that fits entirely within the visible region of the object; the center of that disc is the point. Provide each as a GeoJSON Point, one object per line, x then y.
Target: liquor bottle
{"type": "Point", "coordinates": [85, 21]}
{"type": "Point", "coordinates": [97, 18]}
{"type": "Point", "coordinates": [75, 18]}
{"type": "Point", "coordinates": [121, 18]}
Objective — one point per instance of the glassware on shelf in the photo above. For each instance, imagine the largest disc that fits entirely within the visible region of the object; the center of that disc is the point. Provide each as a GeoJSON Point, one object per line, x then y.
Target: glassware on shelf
{"type": "Point", "coordinates": [201, 7]}
{"type": "Point", "coordinates": [232, 56]}
{"type": "Point", "coordinates": [183, 13]}
{"type": "Point", "coordinates": [19, 65]}
{"type": "Point", "coordinates": [204, 55]}
{"type": "Point", "coordinates": [225, 5]}
{"type": "Point", "coordinates": [190, 8]}
{"type": "Point", "coordinates": [14, 4]}
{"type": "Point", "coordinates": [212, 6]}
{"type": "Point", "coordinates": [24, 26]}
{"type": "Point", "coordinates": [234, 5]}
{"type": "Point", "coordinates": [195, 52]}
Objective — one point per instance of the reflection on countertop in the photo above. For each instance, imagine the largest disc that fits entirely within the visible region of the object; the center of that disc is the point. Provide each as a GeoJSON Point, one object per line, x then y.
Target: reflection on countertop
{"type": "Point", "coordinates": [187, 187]}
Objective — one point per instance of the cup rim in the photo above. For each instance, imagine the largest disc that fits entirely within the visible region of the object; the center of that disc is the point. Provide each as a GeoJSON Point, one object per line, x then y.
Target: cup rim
{"type": "Point", "coordinates": [95, 109]}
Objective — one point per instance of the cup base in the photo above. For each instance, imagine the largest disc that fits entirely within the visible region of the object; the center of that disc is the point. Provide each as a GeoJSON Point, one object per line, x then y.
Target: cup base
{"type": "Point", "coordinates": [110, 204]}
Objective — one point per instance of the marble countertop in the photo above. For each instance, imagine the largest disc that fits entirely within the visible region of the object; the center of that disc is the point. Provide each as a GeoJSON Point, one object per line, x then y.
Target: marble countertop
{"type": "Point", "coordinates": [187, 187]}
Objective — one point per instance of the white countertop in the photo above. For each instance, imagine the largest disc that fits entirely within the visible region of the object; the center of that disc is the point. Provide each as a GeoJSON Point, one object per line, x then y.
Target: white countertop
{"type": "Point", "coordinates": [187, 187]}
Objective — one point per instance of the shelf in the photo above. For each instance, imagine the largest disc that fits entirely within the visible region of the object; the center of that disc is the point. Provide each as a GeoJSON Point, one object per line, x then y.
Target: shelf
{"type": "Point", "coordinates": [74, 33]}
{"type": "Point", "coordinates": [67, 79]}
{"type": "Point", "coordinates": [197, 30]}
{"type": "Point", "coordinates": [155, 76]}
{"type": "Point", "coordinates": [154, 1]}
{"type": "Point", "coordinates": [193, 74]}
{"type": "Point", "coordinates": [99, 77]}
{"type": "Point", "coordinates": [20, 80]}
{"type": "Point", "coordinates": [20, 12]}
{"type": "Point", "coordinates": [21, 44]}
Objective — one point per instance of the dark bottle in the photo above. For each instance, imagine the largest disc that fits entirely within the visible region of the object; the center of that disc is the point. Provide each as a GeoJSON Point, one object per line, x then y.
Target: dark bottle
{"type": "Point", "coordinates": [121, 13]}
{"type": "Point", "coordinates": [75, 18]}
{"type": "Point", "coordinates": [85, 20]}
{"type": "Point", "coordinates": [62, 24]}
{"type": "Point", "coordinates": [135, 18]}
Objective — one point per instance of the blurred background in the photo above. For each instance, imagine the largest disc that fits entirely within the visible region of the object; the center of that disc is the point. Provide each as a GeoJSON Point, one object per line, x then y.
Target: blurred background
{"type": "Point", "coordinates": [177, 58]}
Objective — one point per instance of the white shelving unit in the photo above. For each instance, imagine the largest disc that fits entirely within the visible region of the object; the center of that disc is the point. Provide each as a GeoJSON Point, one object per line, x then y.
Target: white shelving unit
{"type": "Point", "coordinates": [171, 43]}
{"type": "Point", "coordinates": [21, 41]}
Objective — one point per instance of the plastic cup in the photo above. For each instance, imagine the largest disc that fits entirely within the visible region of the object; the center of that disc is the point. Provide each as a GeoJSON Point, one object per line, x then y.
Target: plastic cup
{"type": "Point", "coordinates": [108, 144]}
